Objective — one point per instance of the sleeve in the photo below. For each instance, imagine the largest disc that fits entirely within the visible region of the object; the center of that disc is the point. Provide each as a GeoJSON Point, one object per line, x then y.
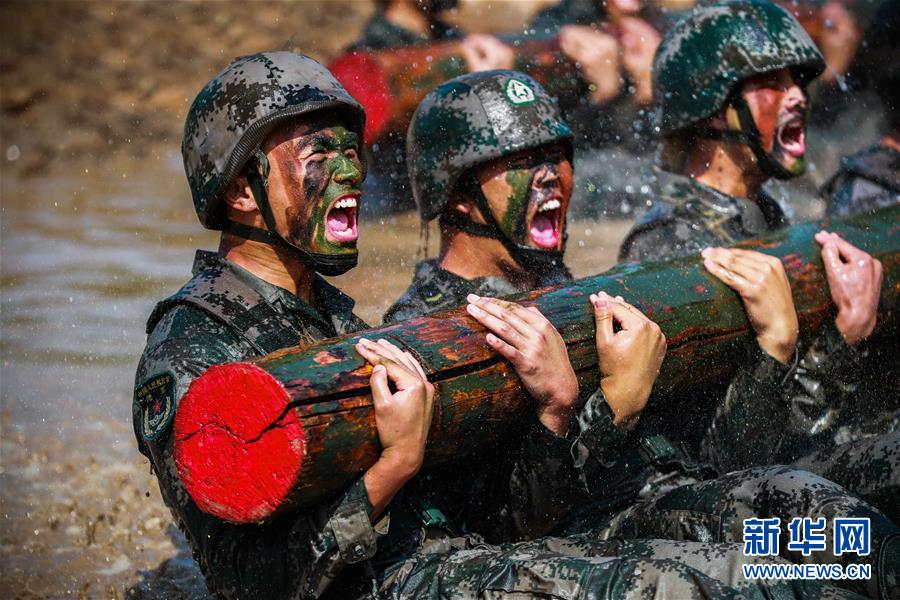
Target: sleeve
{"type": "Point", "coordinates": [828, 377]}
{"type": "Point", "coordinates": [741, 434]}
{"type": "Point", "coordinates": [297, 555]}
{"type": "Point", "coordinates": [527, 489]}
{"type": "Point", "coordinates": [598, 436]}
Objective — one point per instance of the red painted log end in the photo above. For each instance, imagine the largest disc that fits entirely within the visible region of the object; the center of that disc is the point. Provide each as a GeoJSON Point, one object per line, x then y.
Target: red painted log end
{"type": "Point", "coordinates": [362, 76]}
{"type": "Point", "coordinates": [238, 449]}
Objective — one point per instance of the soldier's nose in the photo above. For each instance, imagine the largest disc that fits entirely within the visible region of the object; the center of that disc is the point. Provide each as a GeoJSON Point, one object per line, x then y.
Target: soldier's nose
{"type": "Point", "coordinates": [545, 177]}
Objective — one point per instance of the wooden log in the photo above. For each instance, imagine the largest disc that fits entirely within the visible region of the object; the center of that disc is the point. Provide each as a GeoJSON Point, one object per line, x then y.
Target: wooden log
{"type": "Point", "coordinates": [253, 440]}
{"type": "Point", "coordinates": [390, 84]}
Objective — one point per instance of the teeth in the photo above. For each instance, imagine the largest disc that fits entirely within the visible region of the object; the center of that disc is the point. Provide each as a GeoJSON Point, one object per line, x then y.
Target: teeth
{"type": "Point", "coordinates": [346, 203]}
{"type": "Point", "coordinates": [551, 205]}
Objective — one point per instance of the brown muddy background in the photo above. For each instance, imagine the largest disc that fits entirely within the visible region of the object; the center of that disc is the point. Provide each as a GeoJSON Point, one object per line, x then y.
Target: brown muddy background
{"type": "Point", "coordinates": [96, 225]}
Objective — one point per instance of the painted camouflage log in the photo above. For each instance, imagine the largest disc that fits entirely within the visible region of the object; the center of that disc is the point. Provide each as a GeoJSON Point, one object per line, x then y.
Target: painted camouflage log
{"type": "Point", "coordinates": [390, 84]}
{"type": "Point", "coordinates": [293, 428]}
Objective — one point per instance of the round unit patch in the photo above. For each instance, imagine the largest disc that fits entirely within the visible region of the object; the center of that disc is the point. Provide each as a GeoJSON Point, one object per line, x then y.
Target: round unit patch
{"type": "Point", "coordinates": [519, 92]}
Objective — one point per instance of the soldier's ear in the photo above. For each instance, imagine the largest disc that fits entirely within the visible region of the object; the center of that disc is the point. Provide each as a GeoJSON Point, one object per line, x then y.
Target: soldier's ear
{"type": "Point", "coordinates": [239, 196]}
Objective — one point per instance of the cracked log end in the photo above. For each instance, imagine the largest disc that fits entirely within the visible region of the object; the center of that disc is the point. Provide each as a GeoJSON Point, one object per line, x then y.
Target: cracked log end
{"type": "Point", "coordinates": [238, 448]}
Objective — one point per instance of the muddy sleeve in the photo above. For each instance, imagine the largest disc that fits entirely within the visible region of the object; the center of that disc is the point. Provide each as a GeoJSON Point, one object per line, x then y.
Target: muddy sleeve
{"type": "Point", "coordinates": [742, 433]}
{"type": "Point", "coordinates": [296, 555]}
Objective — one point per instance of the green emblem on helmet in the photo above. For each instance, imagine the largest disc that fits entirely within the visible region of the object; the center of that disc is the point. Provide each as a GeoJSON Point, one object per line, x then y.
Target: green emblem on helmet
{"type": "Point", "coordinates": [471, 120]}
{"type": "Point", "coordinates": [518, 92]}
{"type": "Point", "coordinates": [709, 52]}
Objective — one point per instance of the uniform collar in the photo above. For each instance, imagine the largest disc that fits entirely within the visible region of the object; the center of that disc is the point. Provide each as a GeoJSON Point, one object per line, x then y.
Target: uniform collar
{"type": "Point", "coordinates": [755, 218]}
{"type": "Point", "coordinates": [331, 305]}
{"type": "Point", "coordinates": [498, 286]}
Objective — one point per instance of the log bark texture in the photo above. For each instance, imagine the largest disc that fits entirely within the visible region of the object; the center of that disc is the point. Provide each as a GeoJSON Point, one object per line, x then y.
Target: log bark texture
{"type": "Point", "coordinates": [253, 440]}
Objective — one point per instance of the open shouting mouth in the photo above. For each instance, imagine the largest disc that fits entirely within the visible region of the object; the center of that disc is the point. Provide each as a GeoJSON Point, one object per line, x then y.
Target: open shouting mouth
{"type": "Point", "coordinates": [340, 221]}
{"type": "Point", "coordinates": [546, 223]}
{"type": "Point", "coordinates": [791, 135]}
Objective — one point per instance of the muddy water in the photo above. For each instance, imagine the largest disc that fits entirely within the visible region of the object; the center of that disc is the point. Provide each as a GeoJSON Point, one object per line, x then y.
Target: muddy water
{"type": "Point", "coordinates": [84, 256]}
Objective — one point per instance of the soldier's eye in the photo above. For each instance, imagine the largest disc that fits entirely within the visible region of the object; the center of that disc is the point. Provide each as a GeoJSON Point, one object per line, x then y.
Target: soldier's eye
{"type": "Point", "coordinates": [351, 152]}
{"type": "Point", "coordinates": [318, 155]}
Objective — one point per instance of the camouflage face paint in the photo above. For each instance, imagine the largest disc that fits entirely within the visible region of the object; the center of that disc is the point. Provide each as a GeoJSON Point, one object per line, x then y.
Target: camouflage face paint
{"type": "Point", "coordinates": [779, 107]}
{"type": "Point", "coordinates": [320, 189]}
{"type": "Point", "coordinates": [530, 195]}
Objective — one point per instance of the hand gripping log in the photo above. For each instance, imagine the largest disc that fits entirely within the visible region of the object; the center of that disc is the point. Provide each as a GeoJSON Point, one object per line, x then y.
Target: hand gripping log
{"type": "Point", "coordinates": [257, 439]}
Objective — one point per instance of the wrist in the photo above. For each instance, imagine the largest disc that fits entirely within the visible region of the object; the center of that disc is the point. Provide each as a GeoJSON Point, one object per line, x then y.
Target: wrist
{"type": "Point", "coordinates": [625, 412]}
{"type": "Point", "coordinates": [556, 419]}
{"type": "Point", "coordinates": [853, 333]}
{"type": "Point", "coordinates": [401, 465]}
{"type": "Point", "coordinates": [780, 347]}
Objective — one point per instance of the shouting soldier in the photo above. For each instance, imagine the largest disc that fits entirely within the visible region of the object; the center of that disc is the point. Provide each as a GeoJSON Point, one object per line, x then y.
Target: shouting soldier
{"type": "Point", "coordinates": [271, 151]}
{"type": "Point", "coordinates": [490, 157]}
{"type": "Point", "coordinates": [730, 85]}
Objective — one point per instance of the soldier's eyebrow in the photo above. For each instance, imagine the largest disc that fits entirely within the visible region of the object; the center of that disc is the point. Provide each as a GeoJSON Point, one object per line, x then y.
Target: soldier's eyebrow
{"type": "Point", "coordinates": [348, 140]}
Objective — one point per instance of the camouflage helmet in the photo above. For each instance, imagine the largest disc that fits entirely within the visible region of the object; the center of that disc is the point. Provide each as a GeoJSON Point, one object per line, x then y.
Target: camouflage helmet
{"type": "Point", "coordinates": [239, 107]}
{"type": "Point", "coordinates": [705, 55]}
{"type": "Point", "coordinates": [473, 119]}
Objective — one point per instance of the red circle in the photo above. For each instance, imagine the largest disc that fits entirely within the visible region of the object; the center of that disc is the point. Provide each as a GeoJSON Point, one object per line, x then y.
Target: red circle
{"type": "Point", "coordinates": [238, 448]}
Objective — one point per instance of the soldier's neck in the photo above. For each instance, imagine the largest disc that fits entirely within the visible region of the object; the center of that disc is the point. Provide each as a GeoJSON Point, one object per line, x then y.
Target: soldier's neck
{"type": "Point", "coordinates": [269, 264]}
{"type": "Point", "coordinates": [472, 257]}
{"type": "Point", "coordinates": [728, 168]}
{"type": "Point", "coordinates": [408, 16]}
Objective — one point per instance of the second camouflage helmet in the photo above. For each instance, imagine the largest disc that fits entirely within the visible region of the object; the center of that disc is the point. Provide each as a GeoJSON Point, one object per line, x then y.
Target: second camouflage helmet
{"type": "Point", "coordinates": [239, 107]}
{"type": "Point", "coordinates": [705, 55]}
{"type": "Point", "coordinates": [471, 120]}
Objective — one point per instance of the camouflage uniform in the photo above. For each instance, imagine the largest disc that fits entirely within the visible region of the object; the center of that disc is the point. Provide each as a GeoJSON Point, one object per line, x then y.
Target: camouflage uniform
{"type": "Point", "coordinates": [381, 34]}
{"type": "Point", "coordinates": [638, 485]}
{"type": "Point", "coordinates": [227, 314]}
{"type": "Point", "coordinates": [433, 289]}
{"type": "Point", "coordinates": [865, 182]}
{"type": "Point", "coordinates": [816, 398]}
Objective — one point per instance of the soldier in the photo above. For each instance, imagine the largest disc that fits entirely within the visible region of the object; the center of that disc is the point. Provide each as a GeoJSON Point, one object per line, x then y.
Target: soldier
{"type": "Point", "coordinates": [870, 179]}
{"type": "Point", "coordinates": [500, 185]}
{"type": "Point", "coordinates": [400, 23]}
{"type": "Point", "coordinates": [730, 81]}
{"type": "Point", "coordinates": [271, 151]}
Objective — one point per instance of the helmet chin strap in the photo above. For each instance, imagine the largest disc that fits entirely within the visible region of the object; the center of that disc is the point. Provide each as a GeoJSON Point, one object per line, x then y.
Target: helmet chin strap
{"type": "Point", "coordinates": [749, 136]}
{"type": "Point", "coordinates": [548, 263]}
{"type": "Point", "coordinates": [321, 262]}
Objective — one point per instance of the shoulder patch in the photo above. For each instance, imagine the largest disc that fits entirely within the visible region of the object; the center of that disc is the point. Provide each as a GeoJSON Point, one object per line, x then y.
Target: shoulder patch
{"type": "Point", "coordinates": [156, 398]}
{"type": "Point", "coordinates": [519, 92]}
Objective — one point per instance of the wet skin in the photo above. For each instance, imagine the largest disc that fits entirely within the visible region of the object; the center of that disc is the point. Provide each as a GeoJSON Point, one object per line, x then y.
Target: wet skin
{"type": "Point", "coordinates": [778, 105]}
{"type": "Point", "coordinates": [518, 185]}
{"type": "Point", "coordinates": [313, 165]}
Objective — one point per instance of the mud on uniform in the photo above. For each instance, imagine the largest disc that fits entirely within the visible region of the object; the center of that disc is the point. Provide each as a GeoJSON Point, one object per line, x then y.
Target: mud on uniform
{"type": "Point", "coordinates": [639, 486]}
{"type": "Point", "coordinates": [817, 400]}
